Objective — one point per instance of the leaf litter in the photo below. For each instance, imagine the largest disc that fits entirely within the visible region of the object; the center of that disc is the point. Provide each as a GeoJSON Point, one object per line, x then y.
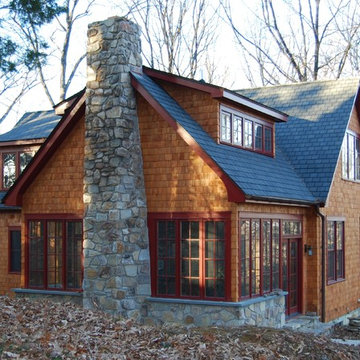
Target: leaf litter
{"type": "Point", "coordinates": [41, 329]}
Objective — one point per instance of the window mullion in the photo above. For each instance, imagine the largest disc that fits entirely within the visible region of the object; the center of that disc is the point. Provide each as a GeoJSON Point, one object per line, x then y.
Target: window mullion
{"type": "Point", "coordinates": [45, 256]}
{"type": "Point", "coordinates": [64, 257]}
{"type": "Point", "coordinates": [177, 258]}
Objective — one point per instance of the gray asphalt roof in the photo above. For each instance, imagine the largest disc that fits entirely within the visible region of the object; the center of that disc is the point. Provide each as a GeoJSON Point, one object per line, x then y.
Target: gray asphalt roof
{"type": "Point", "coordinates": [5, 207]}
{"type": "Point", "coordinates": [259, 176]}
{"type": "Point", "coordinates": [32, 125]}
{"type": "Point", "coordinates": [319, 113]}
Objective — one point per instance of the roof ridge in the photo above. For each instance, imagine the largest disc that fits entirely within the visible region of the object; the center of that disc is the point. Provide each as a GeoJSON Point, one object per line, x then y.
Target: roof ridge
{"type": "Point", "coordinates": [301, 83]}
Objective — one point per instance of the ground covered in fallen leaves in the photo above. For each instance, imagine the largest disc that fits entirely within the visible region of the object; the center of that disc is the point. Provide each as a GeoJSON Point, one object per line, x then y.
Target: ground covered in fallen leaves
{"type": "Point", "coordinates": [39, 329]}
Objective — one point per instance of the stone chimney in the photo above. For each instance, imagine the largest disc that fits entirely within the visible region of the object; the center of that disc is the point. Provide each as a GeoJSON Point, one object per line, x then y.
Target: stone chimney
{"type": "Point", "coordinates": [116, 247]}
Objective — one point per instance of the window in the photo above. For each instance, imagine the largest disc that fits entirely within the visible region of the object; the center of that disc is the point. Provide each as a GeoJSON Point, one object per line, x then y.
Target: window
{"type": "Point", "coordinates": [260, 253]}
{"type": "Point", "coordinates": [15, 251]}
{"type": "Point", "coordinates": [13, 164]}
{"type": "Point", "coordinates": [54, 254]}
{"type": "Point", "coordinates": [249, 133]}
{"type": "Point", "coordinates": [335, 237]}
{"type": "Point", "coordinates": [188, 256]}
{"type": "Point", "coordinates": [351, 157]}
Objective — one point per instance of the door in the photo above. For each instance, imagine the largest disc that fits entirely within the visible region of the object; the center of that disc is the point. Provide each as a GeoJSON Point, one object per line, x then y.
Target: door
{"type": "Point", "coordinates": [290, 274]}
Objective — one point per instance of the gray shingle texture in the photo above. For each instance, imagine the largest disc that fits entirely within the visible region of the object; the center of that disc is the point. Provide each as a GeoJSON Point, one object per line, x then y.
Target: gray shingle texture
{"type": "Point", "coordinates": [32, 125]}
{"type": "Point", "coordinates": [319, 113]}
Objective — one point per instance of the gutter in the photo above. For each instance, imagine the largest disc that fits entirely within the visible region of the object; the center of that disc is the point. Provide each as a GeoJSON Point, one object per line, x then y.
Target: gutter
{"type": "Point", "coordinates": [323, 259]}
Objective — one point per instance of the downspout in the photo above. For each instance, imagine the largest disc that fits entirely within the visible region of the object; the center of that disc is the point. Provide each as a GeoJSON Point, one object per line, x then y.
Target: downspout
{"type": "Point", "coordinates": [323, 260]}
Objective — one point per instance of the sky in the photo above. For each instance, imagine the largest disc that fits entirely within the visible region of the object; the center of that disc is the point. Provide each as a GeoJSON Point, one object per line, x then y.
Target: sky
{"type": "Point", "coordinates": [226, 53]}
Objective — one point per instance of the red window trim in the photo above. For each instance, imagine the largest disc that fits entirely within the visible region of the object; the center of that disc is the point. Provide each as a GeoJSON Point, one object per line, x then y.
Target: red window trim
{"type": "Point", "coordinates": [253, 120]}
{"type": "Point", "coordinates": [189, 216]}
{"type": "Point", "coordinates": [336, 280]}
{"type": "Point", "coordinates": [263, 216]}
{"type": "Point", "coordinates": [10, 229]}
{"type": "Point", "coordinates": [346, 139]}
{"type": "Point", "coordinates": [17, 151]}
{"type": "Point", "coordinates": [51, 217]}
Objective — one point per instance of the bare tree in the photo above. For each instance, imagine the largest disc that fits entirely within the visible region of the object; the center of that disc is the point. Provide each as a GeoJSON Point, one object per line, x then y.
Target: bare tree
{"type": "Point", "coordinates": [178, 33]}
{"type": "Point", "coordinates": [294, 40]}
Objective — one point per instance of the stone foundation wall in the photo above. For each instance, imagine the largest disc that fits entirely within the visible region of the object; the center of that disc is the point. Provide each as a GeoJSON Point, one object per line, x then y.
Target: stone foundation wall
{"type": "Point", "coordinates": [116, 247]}
{"type": "Point", "coordinates": [267, 311]}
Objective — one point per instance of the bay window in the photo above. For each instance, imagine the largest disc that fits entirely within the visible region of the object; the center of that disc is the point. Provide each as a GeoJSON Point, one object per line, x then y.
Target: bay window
{"type": "Point", "coordinates": [54, 254]}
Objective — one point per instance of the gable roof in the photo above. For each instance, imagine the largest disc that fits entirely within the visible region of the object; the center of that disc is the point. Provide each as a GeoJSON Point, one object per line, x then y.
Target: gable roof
{"type": "Point", "coordinates": [32, 125]}
{"type": "Point", "coordinates": [319, 113]}
{"type": "Point", "coordinates": [259, 177]}
{"type": "Point", "coordinates": [14, 195]}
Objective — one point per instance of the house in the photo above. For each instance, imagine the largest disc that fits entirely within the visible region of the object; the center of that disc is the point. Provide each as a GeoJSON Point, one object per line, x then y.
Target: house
{"type": "Point", "coordinates": [17, 148]}
{"type": "Point", "coordinates": [162, 198]}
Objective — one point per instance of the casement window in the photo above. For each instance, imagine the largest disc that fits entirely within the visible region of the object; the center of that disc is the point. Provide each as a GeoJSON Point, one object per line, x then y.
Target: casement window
{"type": "Point", "coordinates": [188, 256]}
{"type": "Point", "coordinates": [264, 250]}
{"type": "Point", "coordinates": [335, 250]}
{"type": "Point", "coordinates": [54, 254]}
{"type": "Point", "coordinates": [15, 250]}
{"type": "Point", "coordinates": [244, 131]}
{"type": "Point", "coordinates": [351, 157]}
{"type": "Point", "coordinates": [12, 164]}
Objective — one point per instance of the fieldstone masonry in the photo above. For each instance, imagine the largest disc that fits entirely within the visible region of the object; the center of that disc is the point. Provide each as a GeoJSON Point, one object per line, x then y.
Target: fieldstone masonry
{"type": "Point", "coordinates": [116, 248]}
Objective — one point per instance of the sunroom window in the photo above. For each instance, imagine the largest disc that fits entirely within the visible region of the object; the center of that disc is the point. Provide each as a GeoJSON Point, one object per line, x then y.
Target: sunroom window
{"type": "Point", "coordinates": [241, 130]}
{"type": "Point", "coordinates": [188, 257]}
{"type": "Point", "coordinates": [54, 254]}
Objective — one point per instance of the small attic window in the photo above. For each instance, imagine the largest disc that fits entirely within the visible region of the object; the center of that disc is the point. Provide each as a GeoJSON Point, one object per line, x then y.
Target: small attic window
{"type": "Point", "coordinates": [241, 130]}
{"type": "Point", "coordinates": [12, 164]}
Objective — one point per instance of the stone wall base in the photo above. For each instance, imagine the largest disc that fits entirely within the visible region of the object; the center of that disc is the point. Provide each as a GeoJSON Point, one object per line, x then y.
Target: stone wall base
{"type": "Point", "coordinates": [56, 296]}
{"type": "Point", "coordinates": [265, 311]}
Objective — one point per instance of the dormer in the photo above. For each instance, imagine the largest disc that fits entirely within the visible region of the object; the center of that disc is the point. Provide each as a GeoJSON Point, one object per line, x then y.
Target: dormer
{"type": "Point", "coordinates": [228, 117]}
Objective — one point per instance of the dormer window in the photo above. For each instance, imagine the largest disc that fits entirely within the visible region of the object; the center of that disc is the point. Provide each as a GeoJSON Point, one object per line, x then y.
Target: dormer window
{"type": "Point", "coordinates": [244, 131]}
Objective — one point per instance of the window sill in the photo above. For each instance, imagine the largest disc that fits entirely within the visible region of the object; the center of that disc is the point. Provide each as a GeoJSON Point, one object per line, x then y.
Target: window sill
{"type": "Point", "coordinates": [47, 292]}
{"type": "Point", "coordinates": [243, 303]}
{"type": "Point", "coordinates": [14, 273]}
{"type": "Point", "coordinates": [332, 282]}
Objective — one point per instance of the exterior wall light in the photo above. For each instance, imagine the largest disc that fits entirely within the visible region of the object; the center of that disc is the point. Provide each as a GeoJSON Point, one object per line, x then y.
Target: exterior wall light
{"type": "Point", "coordinates": [308, 249]}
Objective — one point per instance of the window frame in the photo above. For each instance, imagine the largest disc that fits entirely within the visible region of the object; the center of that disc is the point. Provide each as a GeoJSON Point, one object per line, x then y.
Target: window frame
{"type": "Point", "coordinates": [281, 219]}
{"type": "Point", "coordinates": [245, 118]}
{"type": "Point", "coordinates": [10, 230]}
{"type": "Point", "coordinates": [17, 151]}
{"type": "Point", "coordinates": [353, 169]}
{"type": "Point", "coordinates": [154, 218]}
{"type": "Point", "coordinates": [336, 278]}
{"type": "Point", "coordinates": [64, 218]}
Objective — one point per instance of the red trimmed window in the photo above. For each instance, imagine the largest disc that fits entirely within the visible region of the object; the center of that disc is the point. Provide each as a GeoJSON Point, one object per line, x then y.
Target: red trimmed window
{"type": "Point", "coordinates": [54, 254]}
{"type": "Point", "coordinates": [263, 267]}
{"type": "Point", "coordinates": [15, 251]}
{"type": "Point", "coordinates": [246, 132]}
{"type": "Point", "coordinates": [351, 157]}
{"type": "Point", "coordinates": [188, 256]}
{"type": "Point", "coordinates": [12, 164]}
{"type": "Point", "coordinates": [335, 250]}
